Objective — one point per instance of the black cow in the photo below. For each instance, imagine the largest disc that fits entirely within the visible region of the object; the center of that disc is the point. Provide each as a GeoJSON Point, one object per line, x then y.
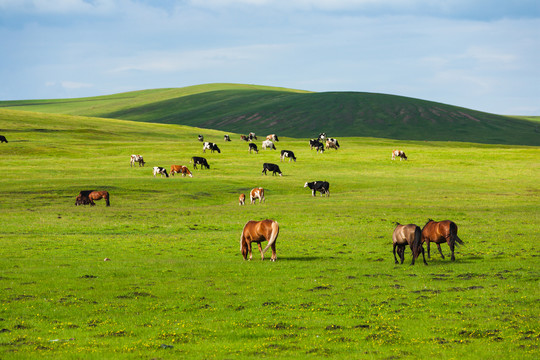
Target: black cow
{"type": "Point", "coordinates": [196, 160]}
{"type": "Point", "coordinates": [226, 138]}
{"type": "Point", "coordinates": [314, 143]}
{"type": "Point", "coordinates": [289, 154]}
{"type": "Point", "coordinates": [201, 138]}
{"type": "Point", "coordinates": [322, 186]}
{"type": "Point", "coordinates": [271, 167]}
{"type": "Point", "coordinates": [3, 139]}
{"type": "Point", "coordinates": [211, 146]}
{"type": "Point", "coordinates": [253, 146]}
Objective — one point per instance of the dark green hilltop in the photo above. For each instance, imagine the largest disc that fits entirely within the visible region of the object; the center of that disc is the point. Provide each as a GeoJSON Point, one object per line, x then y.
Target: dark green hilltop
{"type": "Point", "coordinates": [264, 110]}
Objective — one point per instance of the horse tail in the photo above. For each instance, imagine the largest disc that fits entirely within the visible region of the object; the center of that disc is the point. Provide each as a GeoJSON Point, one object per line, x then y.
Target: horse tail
{"type": "Point", "coordinates": [273, 235]}
{"type": "Point", "coordinates": [417, 244]}
{"type": "Point", "coordinates": [107, 202]}
{"type": "Point", "coordinates": [453, 234]}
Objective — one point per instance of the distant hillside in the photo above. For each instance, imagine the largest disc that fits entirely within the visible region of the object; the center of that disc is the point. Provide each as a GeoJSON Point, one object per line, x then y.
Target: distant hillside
{"type": "Point", "coordinates": [294, 113]}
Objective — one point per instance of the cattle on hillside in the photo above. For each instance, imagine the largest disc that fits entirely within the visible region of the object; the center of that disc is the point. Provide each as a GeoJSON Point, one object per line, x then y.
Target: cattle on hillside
{"type": "Point", "coordinates": [180, 169]}
{"type": "Point", "coordinates": [136, 159]}
{"type": "Point", "coordinates": [160, 170]}
{"type": "Point", "coordinates": [211, 146]}
{"type": "Point", "coordinates": [322, 136]}
{"type": "Point", "coordinates": [201, 138]}
{"type": "Point", "coordinates": [319, 146]}
{"type": "Point", "coordinates": [244, 137]}
{"type": "Point", "coordinates": [242, 199]}
{"type": "Point", "coordinates": [253, 147]}
{"type": "Point", "coordinates": [256, 193]}
{"type": "Point", "coordinates": [287, 154]}
{"type": "Point", "coordinates": [322, 186]}
{"type": "Point", "coordinates": [267, 144]}
{"type": "Point", "coordinates": [332, 144]}
{"type": "Point", "coordinates": [3, 139]}
{"type": "Point", "coordinates": [272, 137]}
{"type": "Point", "coordinates": [197, 160]}
{"type": "Point", "coordinates": [400, 154]}
{"type": "Point", "coordinates": [226, 138]}
{"type": "Point", "coordinates": [271, 167]}
{"type": "Point", "coordinates": [252, 136]}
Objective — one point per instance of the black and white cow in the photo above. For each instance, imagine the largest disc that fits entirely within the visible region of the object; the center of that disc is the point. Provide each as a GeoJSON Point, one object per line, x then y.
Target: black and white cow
{"type": "Point", "coordinates": [322, 136]}
{"type": "Point", "coordinates": [319, 146]}
{"type": "Point", "coordinates": [267, 144]}
{"type": "Point", "coordinates": [332, 143]}
{"type": "Point", "coordinates": [201, 138]}
{"type": "Point", "coordinates": [287, 154]}
{"type": "Point", "coordinates": [226, 138]}
{"type": "Point", "coordinates": [271, 167]}
{"type": "Point", "coordinates": [252, 136]}
{"type": "Point", "coordinates": [160, 170]}
{"type": "Point", "coordinates": [3, 139]}
{"type": "Point", "coordinates": [196, 160]}
{"type": "Point", "coordinates": [253, 147]}
{"type": "Point", "coordinates": [322, 186]}
{"type": "Point", "coordinates": [211, 146]}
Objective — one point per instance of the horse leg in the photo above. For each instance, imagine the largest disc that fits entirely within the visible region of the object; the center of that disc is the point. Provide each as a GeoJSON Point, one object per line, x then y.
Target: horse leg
{"type": "Point", "coordinates": [451, 244]}
{"type": "Point", "coordinates": [394, 250]}
{"type": "Point", "coordinates": [440, 251]}
{"type": "Point", "coordinates": [401, 252]}
{"type": "Point", "coordinates": [428, 252]}
{"type": "Point", "coordinates": [249, 251]}
{"type": "Point", "coordinates": [261, 251]}
{"type": "Point", "coordinates": [423, 255]}
{"type": "Point", "coordinates": [413, 258]}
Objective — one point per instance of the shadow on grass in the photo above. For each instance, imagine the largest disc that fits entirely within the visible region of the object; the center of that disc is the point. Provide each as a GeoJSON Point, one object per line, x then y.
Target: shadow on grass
{"type": "Point", "coordinates": [301, 258]}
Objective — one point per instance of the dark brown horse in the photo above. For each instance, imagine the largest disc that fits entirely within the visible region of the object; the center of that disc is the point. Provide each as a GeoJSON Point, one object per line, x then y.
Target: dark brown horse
{"type": "Point", "coordinates": [439, 232]}
{"type": "Point", "coordinates": [408, 234]}
{"type": "Point", "coordinates": [257, 232]}
{"type": "Point", "coordinates": [86, 197]}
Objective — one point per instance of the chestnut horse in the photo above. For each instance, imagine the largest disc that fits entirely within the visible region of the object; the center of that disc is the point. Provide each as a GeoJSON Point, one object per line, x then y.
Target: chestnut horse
{"type": "Point", "coordinates": [257, 232]}
{"type": "Point", "coordinates": [408, 234]}
{"type": "Point", "coordinates": [86, 197]}
{"type": "Point", "coordinates": [439, 232]}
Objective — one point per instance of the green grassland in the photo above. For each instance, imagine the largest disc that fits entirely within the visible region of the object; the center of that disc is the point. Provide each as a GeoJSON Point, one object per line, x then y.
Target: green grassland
{"type": "Point", "coordinates": [299, 114]}
{"type": "Point", "coordinates": [176, 285]}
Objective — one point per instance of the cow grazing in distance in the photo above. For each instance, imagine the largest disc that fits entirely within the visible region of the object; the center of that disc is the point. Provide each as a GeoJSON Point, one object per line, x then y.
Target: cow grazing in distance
{"type": "Point", "coordinates": [256, 193]}
{"type": "Point", "coordinates": [211, 146]}
{"type": "Point", "coordinates": [322, 186]}
{"type": "Point", "coordinates": [180, 169]}
{"type": "Point", "coordinates": [136, 159]}
{"type": "Point", "coordinates": [244, 137]}
{"type": "Point", "coordinates": [160, 170]}
{"type": "Point", "coordinates": [253, 146]}
{"type": "Point", "coordinates": [287, 154]}
{"type": "Point", "coordinates": [226, 138]}
{"type": "Point", "coordinates": [201, 138]}
{"type": "Point", "coordinates": [197, 160]}
{"type": "Point", "coordinates": [252, 136]}
{"type": "Point", "coordinates": [400, 154]}
{"type": "Point", "coordinates": [242, 199]}
{"type": "Point", "coordinates": [322, 136]}
{"type": "Point", "coordinates": [332, 143]}
{"type": "Point", "coordinates": [3, 139]}
{"type": "Point", "coordinates": [319, 146]}
{"type": "Point", "coordinates": [271, 167]}
{"type": "Point", "coordinates": [272, 137]}
{"type": "Point", "coordinates": [267, 144]}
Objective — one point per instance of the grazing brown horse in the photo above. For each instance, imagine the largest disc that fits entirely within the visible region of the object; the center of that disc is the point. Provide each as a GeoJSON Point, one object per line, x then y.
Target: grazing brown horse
{"type": "Point", "coordinates": [439, 232]}
{"type": "Point", "coordinates": [408, 234]}
{"type": "Point", "coordinates": [257, 232]}
{"type": "Point", "coordinates": [86, 197]}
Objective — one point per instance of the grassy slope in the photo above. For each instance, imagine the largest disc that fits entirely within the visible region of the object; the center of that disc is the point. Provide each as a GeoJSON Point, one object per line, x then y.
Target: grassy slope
{"type": "Point", "coordinates": [176, 285]}
{"type": "Point", "coordinates": [245, 108]}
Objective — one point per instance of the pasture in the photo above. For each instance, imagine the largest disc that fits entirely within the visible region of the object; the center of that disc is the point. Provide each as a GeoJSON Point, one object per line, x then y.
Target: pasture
{"type": "Point", "coordinates": [175, 284]}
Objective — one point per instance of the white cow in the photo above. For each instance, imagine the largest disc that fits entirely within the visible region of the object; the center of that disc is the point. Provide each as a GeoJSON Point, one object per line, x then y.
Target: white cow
{"type": "Point", "coordinates": [136, 159]}
{"type": "Point", "coordinates": [161, 171]}
{"type": "Point", "coordinates": [267, 144]}
{"type": "Point", "coordinates": [400, 154]}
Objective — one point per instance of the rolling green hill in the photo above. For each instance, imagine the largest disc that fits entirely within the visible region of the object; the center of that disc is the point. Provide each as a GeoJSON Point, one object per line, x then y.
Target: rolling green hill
{"type": "Point", "coordinates": [294, 113]}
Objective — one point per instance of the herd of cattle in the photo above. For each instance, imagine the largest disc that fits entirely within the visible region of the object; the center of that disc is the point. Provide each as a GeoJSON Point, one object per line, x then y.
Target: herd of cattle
{"type": "Point", "coordinates": [267, 230]}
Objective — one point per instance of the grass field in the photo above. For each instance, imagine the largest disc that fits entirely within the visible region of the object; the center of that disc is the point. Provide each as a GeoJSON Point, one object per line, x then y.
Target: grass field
{"type": "Point", "coordinates": [176, 285]}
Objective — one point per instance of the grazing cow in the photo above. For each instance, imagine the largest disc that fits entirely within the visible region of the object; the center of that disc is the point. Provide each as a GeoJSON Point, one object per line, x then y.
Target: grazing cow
{"type": "Point", "coordinates": [3, 139]}
{"type": "Point", "coordinates": [226, 138]}
{"type": "Point", "coordinates": [211, 146]}
{"type": "Point", "coordinates": [201, 138]}
{"type": "Point", "coordinates": [268, 144]}
{"type": "Point", "coordinates": [322, 136]}
{"type": "Point", "coordinates": [271, 167]}
{"type": "Point", "coordinates": [252, 136]}
{"type": "Point", "coordinates": [314, 143]}
{"type": "Point", "coordinates": [287, 154]}
{"type": "Point", "coordinates": [86, 197]}
{"type": "Point", "coordinates": [242, 199]}
{"type": "Point", "coordinates": [160, 170]}
{"type": "Point", "coordinates": [332, 143]}
{"type": "Point", "coordinates": [136, 159]}
{"type": "Point", "coordinates": [180, 169]}
{"type": "Point", "coordinates": [253, 146]}
{"type": "Point", "coordinates": [400, 154]}
{"type": "Point", "coordinates": [244, 137]}
{"type": "Point", "coordinates": [272, 137]}
{"type": "Point", "coordinates": [257, 232]}
{"type": "Point", "coordinates": [256, 193]}
{"type": "Point", "coordinates": [407, 234]}
{"type": "Point", "coordinates": [322, 186]}
{"type": "Point", "coordinates": [196, 160]}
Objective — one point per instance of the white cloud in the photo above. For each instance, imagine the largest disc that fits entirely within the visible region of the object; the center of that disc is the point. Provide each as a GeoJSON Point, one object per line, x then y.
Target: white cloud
{"type": "Point", "coordinates": [71, 85]}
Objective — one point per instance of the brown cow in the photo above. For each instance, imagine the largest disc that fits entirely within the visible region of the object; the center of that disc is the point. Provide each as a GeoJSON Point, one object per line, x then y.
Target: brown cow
{"type": "Point", "coordinates": [256, 193]}
{"type": "Point", "coordinates": [242, 199]}
{"type": "Point", "coordinates": [180, 169]}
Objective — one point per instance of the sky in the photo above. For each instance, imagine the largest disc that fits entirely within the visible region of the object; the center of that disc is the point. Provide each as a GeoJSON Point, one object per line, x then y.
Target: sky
{"type": "Point", "coordinates": [478, 54]}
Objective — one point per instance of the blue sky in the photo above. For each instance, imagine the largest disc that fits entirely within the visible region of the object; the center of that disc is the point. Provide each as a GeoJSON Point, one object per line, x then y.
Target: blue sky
{"type": "Point", "coordinates": [479, 54]}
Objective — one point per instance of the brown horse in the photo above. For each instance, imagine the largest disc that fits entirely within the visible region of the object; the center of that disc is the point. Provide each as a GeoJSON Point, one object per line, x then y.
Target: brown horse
{"type": "Point", "coordinates": [408, 234]}
{"type": "Point", "coordinates": [257, 232]}
{"type": "Point", "coordinates": [440, 232]}
{"type": "Point", "coordinates": [86, 197]}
